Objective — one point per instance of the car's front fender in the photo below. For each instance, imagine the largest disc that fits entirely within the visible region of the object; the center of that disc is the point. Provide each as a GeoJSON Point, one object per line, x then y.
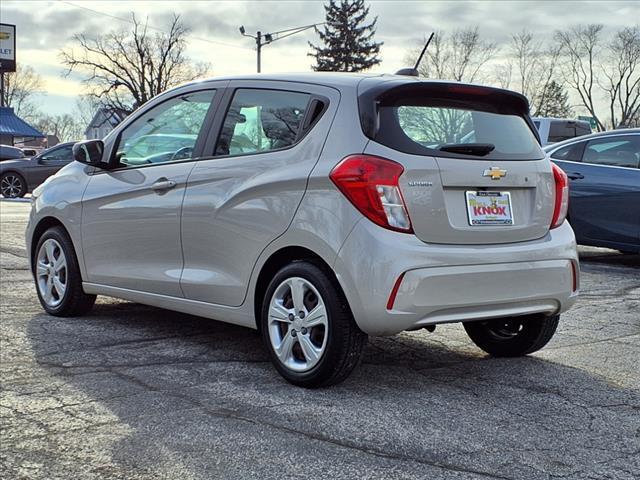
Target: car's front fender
{"type": "Point", "coordinates": [59, 199]}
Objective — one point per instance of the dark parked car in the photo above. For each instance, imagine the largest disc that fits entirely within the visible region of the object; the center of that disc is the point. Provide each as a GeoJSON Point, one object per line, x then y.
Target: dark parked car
{"type": "Point", "coordinates": [30, 152]}
{"type": "Point", "coordinates": [19, 176]}
{"type": "Point", "coordinates": [7, 152]}
{"type": "Point", "coordinates": [604, 175]}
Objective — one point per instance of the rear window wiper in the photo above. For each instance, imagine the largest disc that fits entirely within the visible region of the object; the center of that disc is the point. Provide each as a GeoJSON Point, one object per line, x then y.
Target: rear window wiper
{"type": "Point", "coordinates": [479, 149]}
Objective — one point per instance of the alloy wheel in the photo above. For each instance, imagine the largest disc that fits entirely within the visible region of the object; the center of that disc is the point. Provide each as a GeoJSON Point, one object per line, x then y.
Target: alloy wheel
{"type": "Point", "coordinates": [10, 186]}
{"type": "Point", "coordinates": [51, 272]}
{"type": "Point", "coordinates": [298, 324]}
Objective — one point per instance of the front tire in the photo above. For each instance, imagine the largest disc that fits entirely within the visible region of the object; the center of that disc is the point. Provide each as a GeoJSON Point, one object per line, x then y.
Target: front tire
{"type": "Point", "coordinates": [308, 328]}
{"type": "Point", "coordinates": [57, 276]}
{"type": "Point", "coordinates": [13, 185]}
{"type": "Point", "coordinates": [512, 336]}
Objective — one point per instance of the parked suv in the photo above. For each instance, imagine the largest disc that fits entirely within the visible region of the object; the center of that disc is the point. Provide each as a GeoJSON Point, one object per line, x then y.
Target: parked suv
{"type": "Point", "coordinates": [318, 209]}
{"type": "Point", "coordinates": [552, 130]}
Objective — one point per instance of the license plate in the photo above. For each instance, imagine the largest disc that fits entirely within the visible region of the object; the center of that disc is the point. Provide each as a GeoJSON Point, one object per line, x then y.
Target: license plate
{"type": "Point", "coordinates": [489, 208]}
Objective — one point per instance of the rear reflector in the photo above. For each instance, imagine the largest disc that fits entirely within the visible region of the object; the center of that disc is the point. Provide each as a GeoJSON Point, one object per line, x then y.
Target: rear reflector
{"type": "Point", "coordinates": [394, 292]}
{"type": "Point", "coordinates": [371, 185]}
{"type": "Point", "coordinates": [574, 276]}
{"type": "Point", "coordinates": [561, 203]}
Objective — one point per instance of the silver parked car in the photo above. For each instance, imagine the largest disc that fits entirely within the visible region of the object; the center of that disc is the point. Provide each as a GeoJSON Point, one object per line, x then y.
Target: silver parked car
{"type": "Point", "coordinates": [318, 209]}
{"type": "Point", "coordinates": [21, 175]}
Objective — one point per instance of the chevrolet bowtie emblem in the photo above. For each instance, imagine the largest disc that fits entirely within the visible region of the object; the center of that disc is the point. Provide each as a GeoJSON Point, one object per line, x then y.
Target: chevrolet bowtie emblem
{"type": "Point", "coordinates": [496, 173]}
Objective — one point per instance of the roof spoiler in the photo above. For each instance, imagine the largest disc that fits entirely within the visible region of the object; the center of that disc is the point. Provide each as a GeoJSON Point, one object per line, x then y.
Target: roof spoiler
{"type": "Point", "coordinates": [394, 91]}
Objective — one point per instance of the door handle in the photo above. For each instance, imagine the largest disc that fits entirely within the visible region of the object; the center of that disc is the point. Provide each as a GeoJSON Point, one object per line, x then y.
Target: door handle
{"type": "Point", "coordinates": [575, 176]}
{"type": "Point", "coordinates": [162, 185]}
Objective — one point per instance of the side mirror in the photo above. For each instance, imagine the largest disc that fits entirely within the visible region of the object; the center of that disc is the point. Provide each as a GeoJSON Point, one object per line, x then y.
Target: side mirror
{"type": "Point", "coordinates": [89, 152]}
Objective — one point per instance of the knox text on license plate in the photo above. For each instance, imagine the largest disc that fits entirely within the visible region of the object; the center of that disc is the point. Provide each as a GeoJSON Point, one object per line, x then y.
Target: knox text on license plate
{"type": "Point", "coordinates": [489, 208]}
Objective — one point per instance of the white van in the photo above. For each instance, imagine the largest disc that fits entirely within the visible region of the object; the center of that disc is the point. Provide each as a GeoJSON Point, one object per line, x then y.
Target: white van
{"type": "Point", "coordinates": [554, 130]}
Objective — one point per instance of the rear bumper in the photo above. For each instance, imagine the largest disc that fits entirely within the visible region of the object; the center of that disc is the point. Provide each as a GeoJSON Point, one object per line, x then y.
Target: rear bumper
{"type": "Point", "coordinates": [452, 283]}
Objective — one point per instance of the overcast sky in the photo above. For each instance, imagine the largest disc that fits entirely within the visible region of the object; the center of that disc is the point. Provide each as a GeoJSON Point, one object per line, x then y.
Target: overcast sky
{"type": "Point", "coordinates": [44, 28]}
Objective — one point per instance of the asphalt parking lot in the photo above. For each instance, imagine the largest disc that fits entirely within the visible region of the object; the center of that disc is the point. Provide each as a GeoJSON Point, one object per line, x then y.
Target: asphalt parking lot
{"type": "Point", "coordinates": [136, 392]}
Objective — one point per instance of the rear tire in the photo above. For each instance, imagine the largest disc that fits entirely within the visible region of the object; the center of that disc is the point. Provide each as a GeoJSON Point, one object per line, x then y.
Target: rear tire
{"type": "Point", "coordinates": [512, 336]}
{"type": "Point", "coordinates": [13, 185]}
{"type": "Point", "coordinates": [323, 351]}
{"type": "Point", "coordinates": [57, 276]}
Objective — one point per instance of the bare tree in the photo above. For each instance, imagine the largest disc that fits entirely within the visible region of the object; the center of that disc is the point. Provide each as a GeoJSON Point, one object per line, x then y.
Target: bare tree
{"type": "Point", "coordinates": [547, 80]}
{"type": "Point", "coordinates": [66, 127]}
{"type": "Point", "coordinates": [124, 69]}
{"type": "Point", "coordinates": [85, 108]}
{"type": "Point", "coordinates": [621, 77]}
{"type": "Point", "coordinates": [459, 56]}
{"type": "Point", "coordinates": [19, 88]}
{"type": "Point", "coordinates": [534, 68]}
{"type": "Point", "coordinates": [526, 53]}
{"type": "Point", "coordinates": [582, 49]}
{"type": "Point", "coordinates": [503, 73]}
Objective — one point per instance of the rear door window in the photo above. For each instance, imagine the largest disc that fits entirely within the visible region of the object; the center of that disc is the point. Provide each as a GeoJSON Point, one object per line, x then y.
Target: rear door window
{"type": "Point", "coordinates": [167, 132]}
{"type": "Point", "coordinates": [619, 151]}
{"type": "Point", "coordinates": [571, 153]}
{"type": "Point", "coordinates": [262, 120]}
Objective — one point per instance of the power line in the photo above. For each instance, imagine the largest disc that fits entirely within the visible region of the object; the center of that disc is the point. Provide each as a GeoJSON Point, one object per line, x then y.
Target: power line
{"type": "Point", "coordinates": [151, 27]}
{"type": "Point", "coordinates": [267, 38]}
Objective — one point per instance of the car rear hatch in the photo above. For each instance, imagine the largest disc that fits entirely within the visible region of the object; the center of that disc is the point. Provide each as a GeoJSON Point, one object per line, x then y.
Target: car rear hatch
{"type": "Point", "coordinates": [474, 172]}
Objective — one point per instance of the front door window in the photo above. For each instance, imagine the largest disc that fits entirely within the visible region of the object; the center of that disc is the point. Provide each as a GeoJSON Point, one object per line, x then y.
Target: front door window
{"type": "Point", "coordinates": [165, 133]}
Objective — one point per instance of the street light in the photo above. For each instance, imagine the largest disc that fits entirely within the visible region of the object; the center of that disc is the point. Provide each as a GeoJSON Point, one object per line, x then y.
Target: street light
{"type": "Point", "coordinates": [264, 39]}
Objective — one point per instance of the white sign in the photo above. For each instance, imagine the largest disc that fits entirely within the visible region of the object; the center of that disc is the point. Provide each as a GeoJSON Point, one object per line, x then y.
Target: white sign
{"type": "Point", "coordinates": [7, 48]}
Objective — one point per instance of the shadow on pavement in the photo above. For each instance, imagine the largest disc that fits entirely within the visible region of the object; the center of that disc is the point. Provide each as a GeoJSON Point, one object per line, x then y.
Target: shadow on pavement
{"type": "Point", "coordinates": [169, 395]}
{"type": "Point", "coordinates": [608, 257]}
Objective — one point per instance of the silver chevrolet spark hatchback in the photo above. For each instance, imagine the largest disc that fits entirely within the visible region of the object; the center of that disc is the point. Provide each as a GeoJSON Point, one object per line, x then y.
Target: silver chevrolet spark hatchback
{"type": "Point", "coordinates": [318, 209]}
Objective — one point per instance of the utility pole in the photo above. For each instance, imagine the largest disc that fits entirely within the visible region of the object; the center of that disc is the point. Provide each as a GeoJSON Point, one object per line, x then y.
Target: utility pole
{"type": "Point", "coordinates": [267, 38]}
{"type": "Point", "coordinates": [258, 47]}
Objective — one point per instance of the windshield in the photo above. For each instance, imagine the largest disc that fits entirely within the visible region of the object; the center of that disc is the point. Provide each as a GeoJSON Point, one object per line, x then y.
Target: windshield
{"type": "Point", "coordinates": [431, 127]}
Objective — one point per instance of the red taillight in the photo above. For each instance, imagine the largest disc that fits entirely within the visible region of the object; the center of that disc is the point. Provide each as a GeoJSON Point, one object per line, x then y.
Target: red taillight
{"type": "Point", "coordinates": [561, 196]}
{"type": "Point", "coordinates": [371, 184]}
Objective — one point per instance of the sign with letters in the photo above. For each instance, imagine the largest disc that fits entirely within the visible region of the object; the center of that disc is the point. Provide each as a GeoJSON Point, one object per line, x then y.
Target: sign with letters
{"type": "Point", "coordinates": [7, 48]}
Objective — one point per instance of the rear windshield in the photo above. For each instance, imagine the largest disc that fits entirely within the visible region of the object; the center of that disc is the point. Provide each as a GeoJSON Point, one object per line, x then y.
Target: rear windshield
{"type": "Point", "coordinates": [424, 127]}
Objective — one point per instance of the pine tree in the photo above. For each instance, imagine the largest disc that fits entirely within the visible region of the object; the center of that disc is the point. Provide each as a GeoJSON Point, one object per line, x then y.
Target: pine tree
{"type": "Point", "coordinates": [554, 102]}
{"type": "Point", "coordinates": [348, 41]}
